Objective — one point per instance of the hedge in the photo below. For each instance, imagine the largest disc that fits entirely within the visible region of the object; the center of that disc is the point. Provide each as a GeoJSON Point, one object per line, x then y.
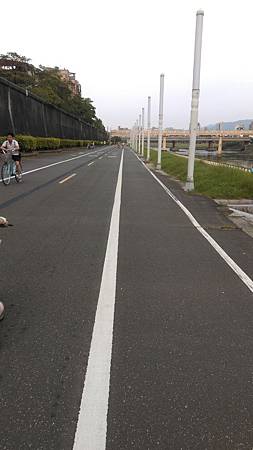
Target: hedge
{"type": "Point", "coordinates": [32, 143]}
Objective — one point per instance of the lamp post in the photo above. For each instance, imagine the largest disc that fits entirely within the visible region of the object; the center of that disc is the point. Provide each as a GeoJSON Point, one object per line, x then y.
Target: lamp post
{"type": "Point", "coordinates": [135, 131]}
{"type": "Point", "coordinates": [142, 132]}
{"type": "Point", "coordinates": [149, 125]}
{"type": "Point", "coordinates": [136, 137]}
{"type": "Point", "coordinates": [195, 100]}
{"type": "Point", "coordinates": [139, 135]}
{"type": "Point", "coordinates": [29, 87]}
{"type": "Point", "coordinates": [160, 133]}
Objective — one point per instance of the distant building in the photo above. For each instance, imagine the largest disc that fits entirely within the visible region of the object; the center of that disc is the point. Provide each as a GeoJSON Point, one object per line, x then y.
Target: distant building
{"type": "Point", "coordinates": [239, 127]}
{"type": "Point", "coordinates": [12, 64]}
{"type": "Point", "coordinates": [70, 78]}
{"type": "Point", "coordinates": [251, 126]}
{"type": "Point", "coordinates": [120, 132]}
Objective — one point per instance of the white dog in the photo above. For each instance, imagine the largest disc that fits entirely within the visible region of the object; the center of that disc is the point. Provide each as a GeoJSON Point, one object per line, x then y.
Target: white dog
{"type": "Point", "coordinates": [3, 222]}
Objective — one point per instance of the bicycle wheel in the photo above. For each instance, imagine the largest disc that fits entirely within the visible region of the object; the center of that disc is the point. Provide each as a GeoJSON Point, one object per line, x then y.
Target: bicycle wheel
{"type": "Point", "coordinates": [6, 173]}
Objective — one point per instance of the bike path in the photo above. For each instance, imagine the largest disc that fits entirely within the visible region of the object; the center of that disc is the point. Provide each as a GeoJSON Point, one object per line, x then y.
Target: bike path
{"type": "Point", "coordinates": [181, 375]}
{"type": "Point", "coordinates": [181, 372]}
{"type": "Point", "coordinates": [51, 264]}
{"type": "Point", "coordinates": [40, 172]}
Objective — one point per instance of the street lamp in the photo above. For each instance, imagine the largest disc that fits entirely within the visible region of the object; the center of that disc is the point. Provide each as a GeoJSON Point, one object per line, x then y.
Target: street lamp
{"type": "Point", "coordinates": [149, 125]}
{"type": "Point", "coordinates": [160, 133]}
{"type": "Point", "coordinates": [142, 133]}
{"type": "Point", "coordinates": [195, 100]}
{"type": "Point", "coordinates": [139, 135]}
{"type": "Point", "coordinates": [29, 87]}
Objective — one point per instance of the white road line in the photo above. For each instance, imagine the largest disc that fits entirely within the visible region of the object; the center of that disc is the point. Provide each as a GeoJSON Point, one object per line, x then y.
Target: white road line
{"type": "Point", "coordinates": [90, 164]}
{"type": "Point", "coordinates": [55, 164]}
{"type": "Point", "coordinates": [231, 263]}
{"type": "Point", "coordinates": [92, 421]}
{"type": "Point", "coordinates": [68, 178]}
{"type": "Point", "coordinates": [100, 157]}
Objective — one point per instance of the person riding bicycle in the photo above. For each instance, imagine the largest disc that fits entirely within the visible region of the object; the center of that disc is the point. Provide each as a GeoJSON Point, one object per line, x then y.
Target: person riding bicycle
{"type": "Point", "coordinates": [11, 146]}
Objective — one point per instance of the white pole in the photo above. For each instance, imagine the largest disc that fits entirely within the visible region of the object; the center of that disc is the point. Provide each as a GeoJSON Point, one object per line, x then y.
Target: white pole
{"type": "Point", "coordinates": [160, 135]}
{"type": "Point", "coordinates": [195, 100]}
{"type": "Point", "coordinates": [142, 133]}
{"type": "Point", "coordinates": [139, 135]}
{"type": "Point", "coordinates": [136, 137]}
{"type": "Point", "coordinates": [149, 125]}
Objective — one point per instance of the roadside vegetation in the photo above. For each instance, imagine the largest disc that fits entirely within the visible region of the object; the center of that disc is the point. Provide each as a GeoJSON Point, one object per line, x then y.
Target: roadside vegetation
{"type": "Point", "coordinates": [212, 181]}
{"type": "Point", "coordinates": [31, 143]}
{"type": "Point", "coordinates": [46, 83]}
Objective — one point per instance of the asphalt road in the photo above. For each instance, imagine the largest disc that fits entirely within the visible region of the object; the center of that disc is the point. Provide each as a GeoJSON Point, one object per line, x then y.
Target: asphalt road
{"type": "Point", "coordinates": [172, 339]}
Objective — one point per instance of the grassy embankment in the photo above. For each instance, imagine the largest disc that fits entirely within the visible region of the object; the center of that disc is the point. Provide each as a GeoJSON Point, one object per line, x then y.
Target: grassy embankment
{"type": "Point", "coordinates": [212, 181]}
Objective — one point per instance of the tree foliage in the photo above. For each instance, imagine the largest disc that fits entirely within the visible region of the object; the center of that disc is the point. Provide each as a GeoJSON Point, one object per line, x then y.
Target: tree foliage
{"type": "Point", "coordinates": [47, 84]}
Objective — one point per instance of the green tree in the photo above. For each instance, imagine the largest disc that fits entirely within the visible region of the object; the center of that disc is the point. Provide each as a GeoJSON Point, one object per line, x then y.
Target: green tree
{"type": "Point", "coordinates": [47, 84]}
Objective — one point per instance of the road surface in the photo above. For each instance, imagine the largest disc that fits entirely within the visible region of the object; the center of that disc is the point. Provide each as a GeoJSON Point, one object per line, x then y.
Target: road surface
{"type": "Point", "coordinates": [126, 326]}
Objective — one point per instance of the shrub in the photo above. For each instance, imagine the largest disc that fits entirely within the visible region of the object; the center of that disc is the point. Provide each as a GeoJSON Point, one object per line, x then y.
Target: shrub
{"type": "Point", "coordinates": [32, 143]}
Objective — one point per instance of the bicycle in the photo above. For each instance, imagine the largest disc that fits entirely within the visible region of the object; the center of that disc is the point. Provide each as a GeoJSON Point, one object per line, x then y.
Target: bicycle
{"type": "Point", "coordinates": [8, 169]}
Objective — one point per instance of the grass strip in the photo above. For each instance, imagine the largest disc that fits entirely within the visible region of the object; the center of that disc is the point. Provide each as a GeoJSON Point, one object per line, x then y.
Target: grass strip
{"type": "Point", "coordinates": [212, 181]}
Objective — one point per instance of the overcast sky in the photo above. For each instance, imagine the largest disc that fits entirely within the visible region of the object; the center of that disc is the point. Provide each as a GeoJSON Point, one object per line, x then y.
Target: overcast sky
{"type": "Point", "coordinates": [119, 48]}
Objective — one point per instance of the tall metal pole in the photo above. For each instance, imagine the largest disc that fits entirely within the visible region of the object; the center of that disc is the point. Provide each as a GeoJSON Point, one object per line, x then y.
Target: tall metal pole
{"type": "Point", "coordinates": [132, 138]}
{"type": "Point", "coordinates": [160, 135]}
{"type": "Point", "coordinates": [136, 137]}
{"type": "Point", "coordinates": [142, 133]}
{"type": "Point", "coordinates": [139, 135]}
{"type": "Point", "coordinates": [149, 125]}
{"type": "Point", "coordinates": [195, 100]}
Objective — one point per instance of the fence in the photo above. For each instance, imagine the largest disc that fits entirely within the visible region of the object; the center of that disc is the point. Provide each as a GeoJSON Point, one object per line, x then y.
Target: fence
{"type": "Point", "coordinates": [24, 113]}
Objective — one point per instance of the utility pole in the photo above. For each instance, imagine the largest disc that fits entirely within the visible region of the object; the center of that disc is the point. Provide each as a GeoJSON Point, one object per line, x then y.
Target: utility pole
{"type": "Point", "coordinates": [195, 100]}
{"type": "Point", "coordinates": [149, 126]}
{"type": "Point", "coordinates": [142, 132]}
{"type": "Point", "coordinates": [139, 135]}
{"type": "Point", "coordinates": [160, 133]}
{"type": "Point", "coordinates": [136, 136]}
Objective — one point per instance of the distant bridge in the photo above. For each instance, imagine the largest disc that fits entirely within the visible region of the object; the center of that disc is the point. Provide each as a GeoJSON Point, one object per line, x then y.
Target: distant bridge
{"type": "Point", "coordinates": [244, 137]}
{"type": "Point", "coordinates": [235, 135]}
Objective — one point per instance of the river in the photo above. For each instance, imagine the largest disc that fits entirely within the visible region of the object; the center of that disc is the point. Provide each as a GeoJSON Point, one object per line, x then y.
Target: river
{"type": "Point", "coordinates": [235, 157]}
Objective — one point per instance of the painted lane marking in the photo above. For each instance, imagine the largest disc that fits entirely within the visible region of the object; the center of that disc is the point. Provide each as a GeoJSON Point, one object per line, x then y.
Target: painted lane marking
{"type": "Point", "coordinates": [92, 422]}
{"type": "Point", "coordinates": [100, 157]}
{"type": "Point", "coordinates": [230, 262]}
{"type": "Point", "coordinates": [68, 178]}
{"type": "Point", "coordinates": [55, 164]}
{"type": "Point", "coordinates": [90, 164]}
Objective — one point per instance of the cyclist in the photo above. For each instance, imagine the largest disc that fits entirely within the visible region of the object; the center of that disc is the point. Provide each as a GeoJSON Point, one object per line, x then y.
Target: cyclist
{"type": "Point", "coordinates": [11, 146]}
